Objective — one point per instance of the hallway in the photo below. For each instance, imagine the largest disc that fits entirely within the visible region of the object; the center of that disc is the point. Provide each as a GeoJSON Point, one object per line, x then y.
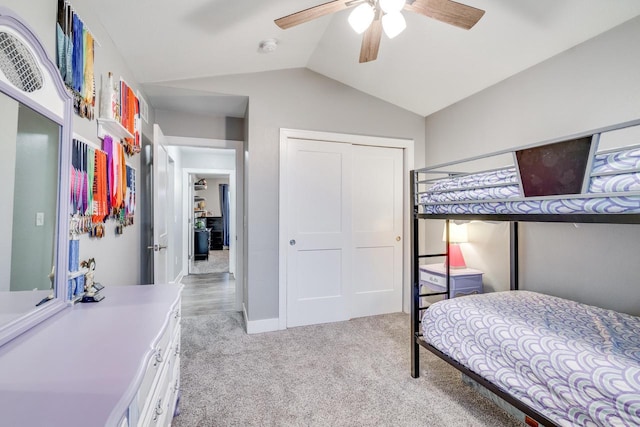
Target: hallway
{"type": "Point", "coordinates": [208, 293]}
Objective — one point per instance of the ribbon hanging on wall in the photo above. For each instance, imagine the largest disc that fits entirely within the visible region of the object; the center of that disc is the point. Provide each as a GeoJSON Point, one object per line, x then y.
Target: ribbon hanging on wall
{"type": "Point", "coordinates": [75, 58]}
{"type": "Point", "coordinates": [88, 188]}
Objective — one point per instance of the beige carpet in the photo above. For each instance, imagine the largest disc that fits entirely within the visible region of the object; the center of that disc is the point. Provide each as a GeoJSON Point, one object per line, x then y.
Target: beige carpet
{"type": "Point", "coordinates": [218, 262]}
{"type": "Point", "coordinates": [353, 373]}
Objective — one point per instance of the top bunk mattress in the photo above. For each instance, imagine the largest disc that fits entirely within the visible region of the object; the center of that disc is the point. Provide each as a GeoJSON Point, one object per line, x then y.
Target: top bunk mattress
{"type": "Point", "coordinates": [577, 364]}
{"type": "Point", "coordinates": [613, 187]}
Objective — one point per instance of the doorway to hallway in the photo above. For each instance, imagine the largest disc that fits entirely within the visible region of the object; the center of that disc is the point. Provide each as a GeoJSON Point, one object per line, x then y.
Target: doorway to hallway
{"type": "Point", "coordinates": [209, 175]}
{"type": "Point", "coordinates": [212, 212]}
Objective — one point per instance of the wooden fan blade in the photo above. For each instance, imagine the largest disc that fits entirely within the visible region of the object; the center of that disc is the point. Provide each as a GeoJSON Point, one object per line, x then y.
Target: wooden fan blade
{"type": "Point", "coordinates": [371, 42]}
{"type": "Point", "coordinates": [312, 13]}
{"type": "Point", "coordinates": [447, 11]}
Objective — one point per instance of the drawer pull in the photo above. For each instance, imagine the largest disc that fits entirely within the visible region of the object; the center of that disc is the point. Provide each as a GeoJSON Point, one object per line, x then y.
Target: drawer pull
{"type": "Point", "coordinates": [158, 410]}
{"type": "Point", "coordinates": [177, 350]}
{"type": "Point", "coordinates": [158, 357]}
{"type": "Point", "coordinates": [175, 387]}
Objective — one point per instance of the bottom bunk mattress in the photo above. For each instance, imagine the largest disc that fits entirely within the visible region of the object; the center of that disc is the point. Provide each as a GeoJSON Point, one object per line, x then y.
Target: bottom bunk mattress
{"type": "Point", "coordinates": [574, 363]}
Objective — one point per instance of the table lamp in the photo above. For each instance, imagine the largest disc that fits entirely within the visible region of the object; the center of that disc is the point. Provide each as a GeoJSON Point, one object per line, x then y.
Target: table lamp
{"type": "Point", "coordinates": [457, 234]}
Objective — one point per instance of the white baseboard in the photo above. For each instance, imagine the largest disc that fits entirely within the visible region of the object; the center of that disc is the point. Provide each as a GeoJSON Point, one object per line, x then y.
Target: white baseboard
{"type": "Point", "coordinates": [259, 326]}
{"type": "Point", "coordinates": [178, 279]}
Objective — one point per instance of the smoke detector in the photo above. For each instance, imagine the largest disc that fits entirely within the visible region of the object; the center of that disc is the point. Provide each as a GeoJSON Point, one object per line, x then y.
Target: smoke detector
{"type": "Point", "coordinates": [268, 46]}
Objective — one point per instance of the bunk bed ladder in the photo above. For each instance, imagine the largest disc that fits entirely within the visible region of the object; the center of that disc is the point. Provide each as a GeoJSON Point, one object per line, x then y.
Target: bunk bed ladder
{"type": "Point", "coordinates": [416, 307]}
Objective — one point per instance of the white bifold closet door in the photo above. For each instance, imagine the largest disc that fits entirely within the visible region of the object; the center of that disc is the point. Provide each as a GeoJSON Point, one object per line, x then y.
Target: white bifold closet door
{"type": "Point", "coordinates": [344, 210]}
{"type": "Point", "coordinates": [376, 286]}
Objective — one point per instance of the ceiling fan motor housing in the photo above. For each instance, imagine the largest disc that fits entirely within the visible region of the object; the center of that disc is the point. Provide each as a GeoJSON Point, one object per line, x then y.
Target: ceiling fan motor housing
{"type": "Point", "coordinates": [387, 15]}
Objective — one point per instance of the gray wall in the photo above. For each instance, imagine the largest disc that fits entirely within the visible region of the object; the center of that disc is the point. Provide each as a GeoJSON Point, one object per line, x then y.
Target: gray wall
{"type": "Point", "coordinates": [200, 126]}
{"type": "Point", "coordinates": [118, 258]}
{"type": "Point", "coordinates": [244, 224]}
{"type": "Point", "coordinates": [212, 195]}
{"type": "Point", "coordinates": [592, 85]}
{"type": "Point", "coordinates": [298, 99]}
{"type": "Point", "coordinates": [209, 158]}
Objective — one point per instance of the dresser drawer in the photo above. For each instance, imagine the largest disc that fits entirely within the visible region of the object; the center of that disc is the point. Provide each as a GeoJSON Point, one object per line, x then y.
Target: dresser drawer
{"type": "Point", "coordinates": [461, 282]}
{"type": "Point", "coordinates": [155, 414]}
{"type": "Point", "coordinates": [159, 411]}
{"type": "Point", "coordinates": [153, 369]}
{"type": "Point", "coordinates": [433, 279]}
{"type": "Point", "coordinates": [174, 389]}
{"type": "Point", "coordinates": [162, 351]}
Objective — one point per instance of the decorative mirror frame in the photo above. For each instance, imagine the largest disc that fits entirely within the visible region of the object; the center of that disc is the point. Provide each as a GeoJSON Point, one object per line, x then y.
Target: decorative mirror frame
{"type": "Point", "coordinates": [54, 102]}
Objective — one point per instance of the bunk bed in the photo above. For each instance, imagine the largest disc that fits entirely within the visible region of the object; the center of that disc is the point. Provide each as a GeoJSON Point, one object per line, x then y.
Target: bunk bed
{"type": "Point", "coordinates": [559, 362]}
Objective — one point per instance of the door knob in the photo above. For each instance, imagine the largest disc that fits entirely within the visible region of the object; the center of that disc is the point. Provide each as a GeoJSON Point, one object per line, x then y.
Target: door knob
{"type": "Point", "coordinates": [292, 242]}
{"type": "Point", "coordinates": [157, 248]}
{"type": "Point", "coordinates": [398, 238]}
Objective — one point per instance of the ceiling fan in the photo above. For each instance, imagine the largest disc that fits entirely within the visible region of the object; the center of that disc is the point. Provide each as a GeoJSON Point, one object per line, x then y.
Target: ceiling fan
{"type": "Point", "coordinates": [371, 17]}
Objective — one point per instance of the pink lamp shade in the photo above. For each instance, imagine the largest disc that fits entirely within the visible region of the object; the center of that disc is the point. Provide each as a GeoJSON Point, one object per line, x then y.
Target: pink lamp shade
{"type": "Point", "coordinates": [456, 259]}
{"type": "Point", "coordinates": [457, 234]}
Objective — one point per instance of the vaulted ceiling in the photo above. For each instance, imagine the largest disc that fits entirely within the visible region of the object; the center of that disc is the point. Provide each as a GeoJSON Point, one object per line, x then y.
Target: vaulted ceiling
{"type": "Point", "coordinates": [429, 66]}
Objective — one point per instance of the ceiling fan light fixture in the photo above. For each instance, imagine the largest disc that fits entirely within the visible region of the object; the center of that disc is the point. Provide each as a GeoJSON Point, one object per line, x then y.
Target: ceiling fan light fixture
{"type": "Point", "coordinates": [392, 6]}
{"type": "Point", "coordinates": [361, 17]}
{"type": "Point", "coordinates": [393, 24]}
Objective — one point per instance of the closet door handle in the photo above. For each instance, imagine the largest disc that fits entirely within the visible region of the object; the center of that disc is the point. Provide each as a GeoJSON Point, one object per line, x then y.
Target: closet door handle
{"type": "Point", "coordinates": [292, 242]}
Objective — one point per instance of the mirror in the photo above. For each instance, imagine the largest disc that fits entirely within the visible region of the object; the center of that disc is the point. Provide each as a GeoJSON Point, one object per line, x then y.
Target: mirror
{"type": "Point", "coordinates": [28, 173]}
{"type": "Point", "coordinates": [35, 134]}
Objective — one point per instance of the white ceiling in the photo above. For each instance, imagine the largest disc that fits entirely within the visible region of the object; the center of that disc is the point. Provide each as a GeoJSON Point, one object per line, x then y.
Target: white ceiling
{"type": "Point", "coordinates": [428, 67]}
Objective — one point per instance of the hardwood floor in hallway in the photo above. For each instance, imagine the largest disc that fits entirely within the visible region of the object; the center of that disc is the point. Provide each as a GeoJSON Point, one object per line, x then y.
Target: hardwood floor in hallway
{"type": "Point", "coordinates": [208, 293]}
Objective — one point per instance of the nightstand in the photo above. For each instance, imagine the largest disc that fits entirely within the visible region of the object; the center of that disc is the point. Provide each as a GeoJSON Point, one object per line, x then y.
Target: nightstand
{"type": "Point", "coordinates": [464, 281]}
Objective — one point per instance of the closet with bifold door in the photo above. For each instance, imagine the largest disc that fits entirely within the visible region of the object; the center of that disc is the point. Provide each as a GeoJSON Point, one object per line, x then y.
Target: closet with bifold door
{"type": "Point", "coordinates": [342, 218]}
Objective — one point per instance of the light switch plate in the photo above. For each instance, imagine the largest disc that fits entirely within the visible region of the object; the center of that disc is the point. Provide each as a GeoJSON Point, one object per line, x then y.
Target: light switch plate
{"type": "Point", "coordinates": [39, 219]}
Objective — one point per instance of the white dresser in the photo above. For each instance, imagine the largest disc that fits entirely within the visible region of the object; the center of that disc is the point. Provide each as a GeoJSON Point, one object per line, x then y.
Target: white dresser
{"type": "Point", "coordinates": [112, 363]}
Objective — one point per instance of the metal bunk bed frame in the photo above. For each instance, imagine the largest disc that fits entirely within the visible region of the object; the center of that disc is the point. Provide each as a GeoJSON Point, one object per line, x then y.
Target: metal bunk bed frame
{"type": "Point", "coordinates": [532, 416]}
{"type": "Point", "coordinates": [417, 308]}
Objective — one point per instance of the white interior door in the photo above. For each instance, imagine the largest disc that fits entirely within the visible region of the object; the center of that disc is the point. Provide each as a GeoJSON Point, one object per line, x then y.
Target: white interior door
{"type": "Point", "coordinates": [190, 222]}
{"type": "Point", "coordinates": [319, 232]}
{"type": "Point", "coordinates": [171, 220]}
{"type": "Point", "coordinates": [160, 207]}
{"type": "Point", "coordinates": [377, 231]}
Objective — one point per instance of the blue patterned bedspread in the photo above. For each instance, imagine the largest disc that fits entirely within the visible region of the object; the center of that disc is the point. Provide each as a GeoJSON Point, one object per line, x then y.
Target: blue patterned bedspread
{"type": "Point", "coordinates": [613, 188]}
{"type": "Point", "coordinates": [577, 364]}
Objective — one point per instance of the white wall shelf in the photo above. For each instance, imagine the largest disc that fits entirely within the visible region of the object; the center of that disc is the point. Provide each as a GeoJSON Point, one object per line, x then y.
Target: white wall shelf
{"type": "Point", "coordinates": [113, 128]}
